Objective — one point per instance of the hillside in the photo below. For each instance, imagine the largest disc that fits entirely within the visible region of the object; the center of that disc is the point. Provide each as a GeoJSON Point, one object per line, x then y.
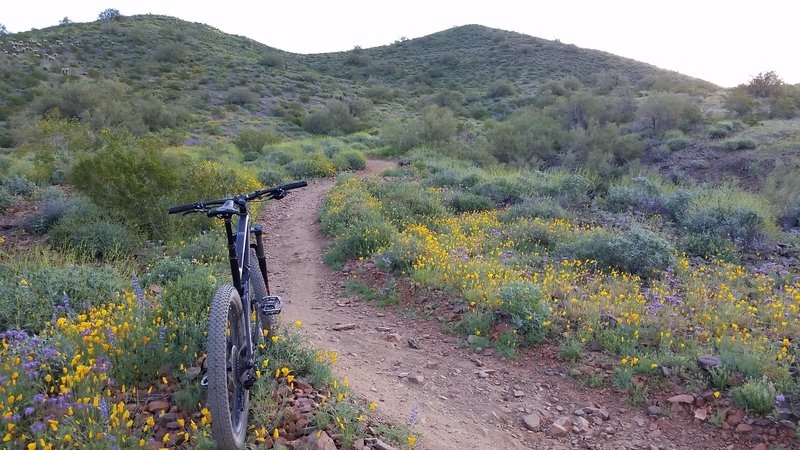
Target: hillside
{"type": "Point", "coordinates": [222, 80]}
{"type": "Point", "coordinates": [472, 57]}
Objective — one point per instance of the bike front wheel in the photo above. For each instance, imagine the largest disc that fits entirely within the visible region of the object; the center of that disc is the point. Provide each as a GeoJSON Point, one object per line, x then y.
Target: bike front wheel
{"type": "Point", "coordinates": [227, 398]}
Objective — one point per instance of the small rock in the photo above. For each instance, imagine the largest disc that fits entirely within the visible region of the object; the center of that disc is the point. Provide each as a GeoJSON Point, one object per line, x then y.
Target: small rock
{"type": "Point", "coordinates": [519, 394]}
{"type": "Point", "coordinates": [383, 329]}
{"type": "Point", "coordinates": [760, 447]}
{"type": "Point", "coordinates": [557, 431]}
{"type": "Point", "coordinates": [744, 428]}
{"type": "Point", "coordinates": [158, 405]}
{"type": "Point", "coordinates": [735, 417]}
{"type": "Point", "coordinates": [579, 412]}
{"type": "Point", "coordinates": [431, 365]}
{"type": "Point", "coordinates": [344, 327]}
{"type": "Point", "coordinates": [564, 421]}
{"type": "Point", "coordinates": [701, 414]}
{"type": "Point", "coordinates": [639, 421]}
{"type": "Point", "coordinates": [416, 379]}
{"type": "Point", "coordinates": [682, 398]}
{"type": "Point", "coordinates": [471, 339]}
{"type": "Point", "coordinates": [559, 408]}
{"type": "Point", "coordinates": [402, 375]}
{"type": "Point", "coordinates": [580, 425]}
{"type": "Point", "coordinates": [323, 442]}
{"type": "Point", "coordinates": [709, 361]}
{"type": "Point", "coordinates": [413, 343]}
{"type": "Point", "coordinates": [394, 337]}
{"type": "Point", "coordinates": [654, 410]}
{"type": "Point", "coordinates": [380, 445]}
{"type": "Point", "coordinates": [533, 422]}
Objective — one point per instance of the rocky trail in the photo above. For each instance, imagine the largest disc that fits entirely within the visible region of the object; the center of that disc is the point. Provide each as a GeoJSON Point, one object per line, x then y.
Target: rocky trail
{"type": "Point", "coordinates": [457, 397]}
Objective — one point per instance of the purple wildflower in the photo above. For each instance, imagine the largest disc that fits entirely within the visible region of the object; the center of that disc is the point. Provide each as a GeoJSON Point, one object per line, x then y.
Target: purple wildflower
{"type": "Point", "coordinates": [780, 398]}
{"type": "Point", "coordinates": [414, 413]}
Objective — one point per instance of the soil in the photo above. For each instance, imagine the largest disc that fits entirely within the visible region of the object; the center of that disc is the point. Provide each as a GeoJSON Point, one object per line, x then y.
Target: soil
{"type": "Point", "coordinates": [438, 386]}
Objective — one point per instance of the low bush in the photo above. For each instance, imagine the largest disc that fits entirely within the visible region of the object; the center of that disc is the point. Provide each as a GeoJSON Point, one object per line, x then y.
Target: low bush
{"type": "Point", "coordinates": [255, 140]}
{"type": "Point", "coordinates": [281, 157]}
{"type": "Point", "coordinates": [97, 238]}
{"type": "Point", "coordinates": [241, 96]}
{"type": "Point", "coordinates": [741, 144]}
{"type": "Point", "coordinates": [678, 143]}
{"type": "Point", "coordinates": [53, 205]}
{"type": "Point", "coordinates": [523, 305]}
{"type": "Point", "coordinates": [6, 199]}
{"type": "Point", "coordinates": [271, 177]}
{"type": "Point", "coordinates": [348, 202]}
{"type": "Point", "coordinates": [19, 185]}
{"type": "Point", "coordinates": [310, 168]}
{"type": "Point", "coordinates": [167, 270]}
{"type": "Point", "coordinates": [502, 190]}
{"type": "Point", "coordinates": [32, 291]}
{"type": "Point", "coordinates": [757, 396]}
{"type": "Point", "coordinates": [361, 239]}
{"type": "Point", "coordinates": [636, 251]}
{"type": "Point", "coordinates": [407, 202]}
{"type": "Point", "coordinates": [462, 202]}
{"type": "Point", "coordinates": [206, 247]}
{"type": "Point", "coordinates": [190, 293]}
{"type": "Point", "coordinates": [349, 160]}
{"type": "Point", "coordinates": [541, 207]}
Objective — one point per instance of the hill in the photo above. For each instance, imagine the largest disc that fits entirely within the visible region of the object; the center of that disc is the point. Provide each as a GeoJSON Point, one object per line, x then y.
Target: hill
{"type": "Point", "coordinates": [219, 80]}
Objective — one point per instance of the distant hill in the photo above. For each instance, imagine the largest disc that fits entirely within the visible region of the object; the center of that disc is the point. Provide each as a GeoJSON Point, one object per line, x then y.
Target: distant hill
{"type": "Point", "coordinates": [224, 81]}
{"type": "Point", "coordinates": [474, 56]}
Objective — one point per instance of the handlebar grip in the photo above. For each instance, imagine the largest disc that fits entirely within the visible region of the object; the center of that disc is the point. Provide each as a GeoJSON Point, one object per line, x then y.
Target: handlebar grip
{"type": "Point", "coordinates": [182, 208]}
{"type": "Point", "coordinates": [294, 185]}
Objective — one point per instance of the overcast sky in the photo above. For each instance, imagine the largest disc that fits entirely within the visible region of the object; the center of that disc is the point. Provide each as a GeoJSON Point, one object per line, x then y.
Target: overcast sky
{"type": "Point", "coordinates": [725, 42]}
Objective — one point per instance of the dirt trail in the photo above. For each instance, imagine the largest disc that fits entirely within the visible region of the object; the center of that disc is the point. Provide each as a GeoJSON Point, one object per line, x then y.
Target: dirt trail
{"type": "Point", "coordinates": [453, 407]}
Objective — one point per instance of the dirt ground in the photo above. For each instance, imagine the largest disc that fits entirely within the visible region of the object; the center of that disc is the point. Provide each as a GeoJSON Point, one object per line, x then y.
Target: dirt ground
{"type": "Point", "coordinates": [456, 397]}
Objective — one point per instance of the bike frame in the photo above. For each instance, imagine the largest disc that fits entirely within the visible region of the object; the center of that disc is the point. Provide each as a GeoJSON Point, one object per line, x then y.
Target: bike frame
{"type": "Point", "coordinates": [239, 244]}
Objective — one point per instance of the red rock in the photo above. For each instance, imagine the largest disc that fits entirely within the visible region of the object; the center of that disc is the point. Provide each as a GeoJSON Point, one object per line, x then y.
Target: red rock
{"type": "Point", "coordinates": [557, 430]}
{"type": "Point", "coordinates": [744, 428]}
{"type": "Point", "coordinates": [701, 414]}
{"type": "Point", "coordinates": [760, 447]}
{"type": "Point", "coordinates": [323, 442]}
{"type": "Point", "coordinates": [158, 405]}
{"type": "Point", "coordinates": [682, 398]}
{"type": "Point", "coordinates": [735, 417]}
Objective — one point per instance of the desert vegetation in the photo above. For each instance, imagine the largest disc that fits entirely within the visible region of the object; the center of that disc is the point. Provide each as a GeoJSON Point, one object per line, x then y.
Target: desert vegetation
{"type": "Point", "coordinates": [559, 196]}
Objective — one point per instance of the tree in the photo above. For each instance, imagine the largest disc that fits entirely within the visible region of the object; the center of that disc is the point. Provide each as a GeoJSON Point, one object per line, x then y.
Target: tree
{"type": "Point", "coordinates": [109, 14]}
{"type": "Point", "coordinates": [740, 102]}
{"type": "Point", "coordinates": [663, 111]}
{"type": "Point", "coordinates": [3, 29]}
{"type": "Point", "coordinates": [65, 21]}
{"type": "Point", "coordinates": [764, 85]}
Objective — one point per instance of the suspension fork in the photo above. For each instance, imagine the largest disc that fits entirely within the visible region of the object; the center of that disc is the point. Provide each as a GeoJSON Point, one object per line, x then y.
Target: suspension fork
{"type": "Point", "coordinates": [258, 232]}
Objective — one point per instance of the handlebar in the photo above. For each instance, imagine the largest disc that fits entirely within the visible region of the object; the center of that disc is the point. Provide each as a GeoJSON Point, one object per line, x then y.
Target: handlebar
{"type": "Point", "coordinates": [276, 193]}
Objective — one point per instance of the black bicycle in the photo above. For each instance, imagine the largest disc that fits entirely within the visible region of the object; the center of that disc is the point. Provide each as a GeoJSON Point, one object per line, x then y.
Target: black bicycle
{"type": "Point", "coordinates": [242, 314]}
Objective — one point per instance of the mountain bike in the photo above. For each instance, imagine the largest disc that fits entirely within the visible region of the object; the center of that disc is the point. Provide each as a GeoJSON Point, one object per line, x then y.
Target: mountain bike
{"type": "Point", "coordinates": [242, 314]}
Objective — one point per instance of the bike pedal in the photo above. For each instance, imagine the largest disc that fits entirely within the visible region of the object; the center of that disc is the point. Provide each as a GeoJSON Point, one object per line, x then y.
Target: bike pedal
{"type": "Point", "coordinates": [270, 305]}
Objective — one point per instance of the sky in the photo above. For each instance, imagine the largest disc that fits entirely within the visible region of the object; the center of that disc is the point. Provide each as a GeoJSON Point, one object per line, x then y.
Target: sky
{"type": "Point", "coordinates": [725, 42]}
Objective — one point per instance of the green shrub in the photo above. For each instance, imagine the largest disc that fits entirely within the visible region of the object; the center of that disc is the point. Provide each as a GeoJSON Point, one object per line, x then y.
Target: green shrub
{"type": "Point", "coordinates": [462, 202]}
{"type": "Point", "coordinates": [636, 251]}
{"type": "Point", "coordinates": [241, 96]}
{"type": "Point", "coordinates": [272, 59]}
{"type": "Point", "coordinates": [542, 207]}
{"type": "Point", "coordinates": [171, 52]}
{"type": "Point", "coordinates": [6, 199]}
{"type": "Point", "coordinates": [736, 215]}
{"type": "Point", "coordinates": [205, 247]}
{"type": "Point", "coordinates": [310, 168]}
{"type": "Point", "coordinates": [757, 395]}
{"type": "Point", "coordinates": [131, 177]}
{"type": "Point", "coordinates": [531, 236]}
{"type": "Point", "coordinates": [271, 177]}
{"type": "Point", "coordinates": [406, 202]}
{"type": "Point", "coordinates": [255, 140]}
{"type": "Point", "coordinates": [166, 270]}
{"type": "Point", "coordinates": [502, 190]}
{"type": "Point", "coordinates": [19, 185]}
{"type": "Point", "coordinates": [361, 239]}
{"type": "Point", "coordinates": [92, 237]}
{"type": "Point", "coordinates": [53, 205]}
{"type": "Point", "coordinates": [741, 144]}
{"type": "Point", "coordinates": [349, 202]}
{"type": "Point", "coordinates": [279, 157]}
{"type": "Point", "coordinates": [30, 305]}
{"type": "Point", "coordinates": [573, 190]}
{"type": "Point", "coordinates": [678, 143]}
{"type": "Point", "coordinates": [522, 304]}
{"type": "Point", "coordinates": [349, 160]}
{"type": "Point", "coordinates": [190, 293]}
{"type": "Point", "coordinates": [336, 116]}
